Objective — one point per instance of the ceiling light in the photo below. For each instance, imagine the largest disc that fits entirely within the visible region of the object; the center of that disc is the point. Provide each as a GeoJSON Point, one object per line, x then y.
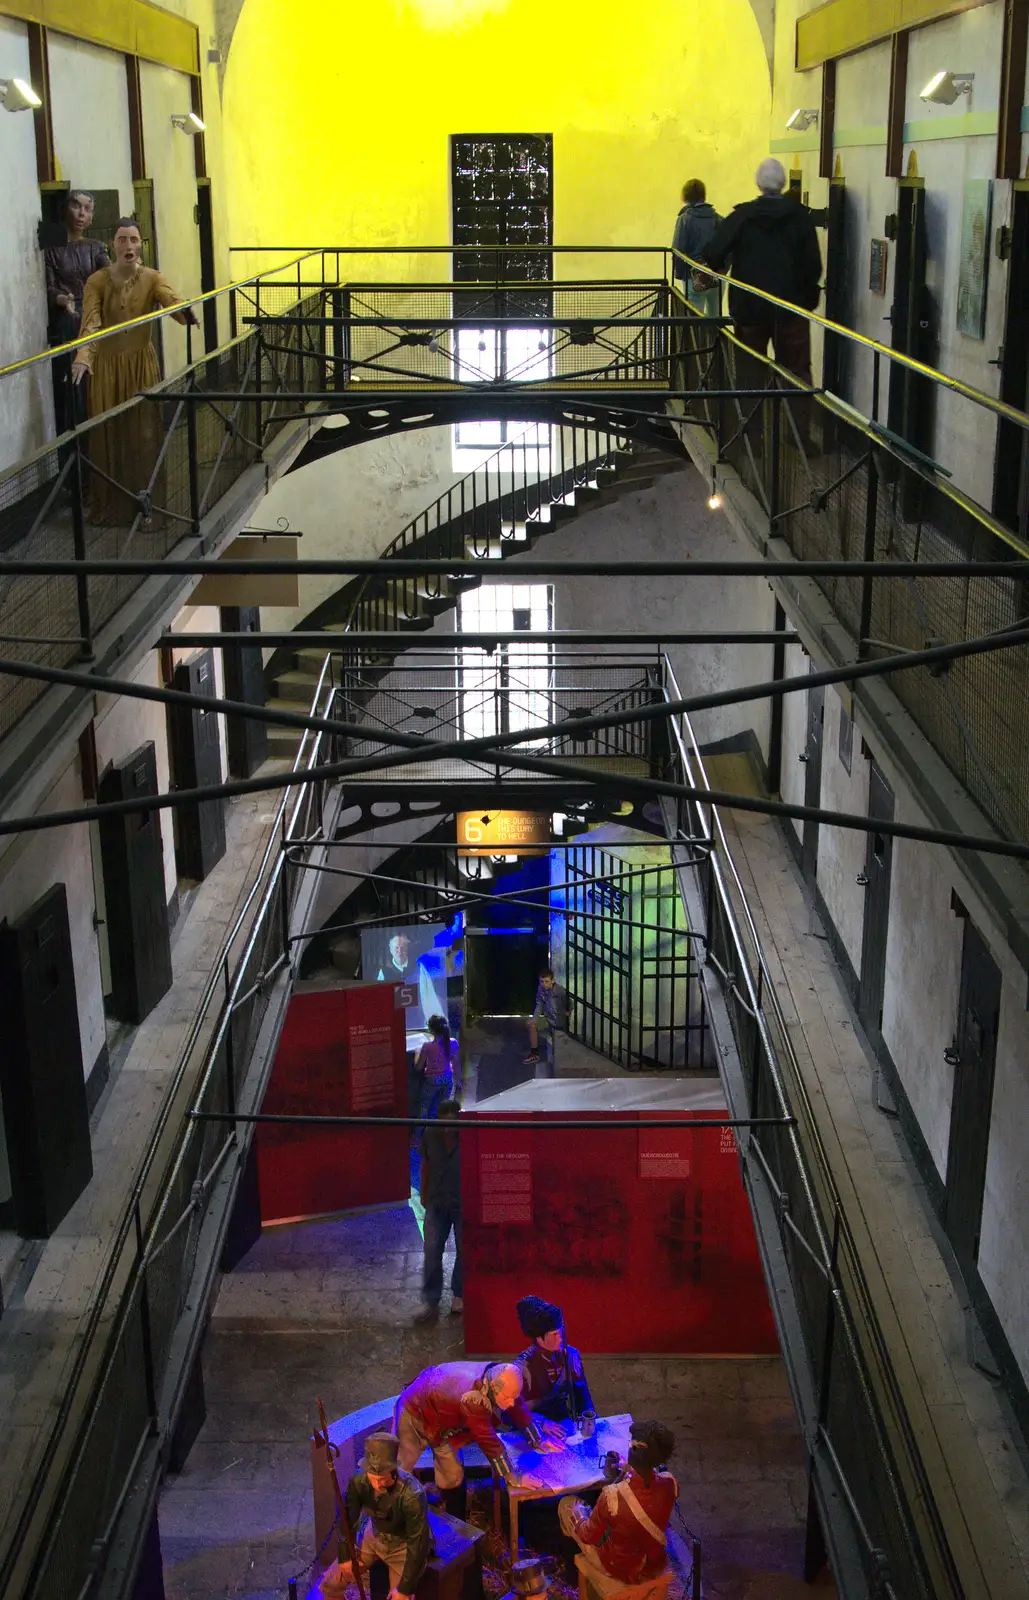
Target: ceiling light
{"type": "Point", "coordinates": [17, 95]}
{"type": "Point", "coordinates": [714, 502]}
{"type": "Point", "coordinates": [802, 120]}
{"type": "Point", "coordinates": [190, 123]}
{"type": "Point", "coordinates": [944, 88]}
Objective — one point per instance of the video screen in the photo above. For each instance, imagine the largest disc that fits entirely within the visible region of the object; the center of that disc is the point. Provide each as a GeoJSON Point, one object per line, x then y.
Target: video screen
{"type": "Point", "coordinates": [409, 955]}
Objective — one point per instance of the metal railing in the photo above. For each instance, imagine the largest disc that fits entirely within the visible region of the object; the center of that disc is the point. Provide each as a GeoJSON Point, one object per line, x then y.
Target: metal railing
{"type": "Point", "coordinates": [116, 1399]}
{"type": "Point", "coordinates": [861, 1442]}
{"type": "Point", "coordinates": [836, 484]}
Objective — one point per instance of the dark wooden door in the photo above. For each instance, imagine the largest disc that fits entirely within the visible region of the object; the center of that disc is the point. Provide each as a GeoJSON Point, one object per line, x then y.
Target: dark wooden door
{"type": "Point", "coordinates": [208, 280]}
{"type": "Point", "coordinates": [914, 323]}
{"type": "Point", "coordinates": [837, 288]}
{"type": "Point", "coordinates": [878, 867]}
{"type": "Point", "coordinates": [46, 1119]}
{"type": "Point", "coordinates": [975, 1055]}
{"type": "Point", "coordinates": [196, 763]}
{"type": "Point", "coordinates": [132, 857]}
{"type": "Point", "coordinates": [812, 758]}
{"type": "Point", "coordinates": [247, 740]}
{"type": "Point", "coordinates": [1011, 460]}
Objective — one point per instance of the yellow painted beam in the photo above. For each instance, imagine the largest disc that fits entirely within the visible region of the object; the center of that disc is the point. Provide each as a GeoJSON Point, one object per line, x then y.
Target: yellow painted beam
{"type": "Point", "coordinates": [841, 26]}
{"type": "Point", "coordinates": [134, 27]}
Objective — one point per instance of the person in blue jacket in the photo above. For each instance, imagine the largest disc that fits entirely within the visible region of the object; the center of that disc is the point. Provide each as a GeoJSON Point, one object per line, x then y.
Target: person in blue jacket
{"type": "Point", "coordinates": [694, 227]}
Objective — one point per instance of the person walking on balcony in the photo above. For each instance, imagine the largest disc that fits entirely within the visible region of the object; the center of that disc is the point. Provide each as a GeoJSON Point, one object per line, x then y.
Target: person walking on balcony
{"type": "Point", "coordinates": [695, 226]}
{"type": "Point", "coordinates": [770, 243]}
{"type": "Point", "coordinates": [124, 452]}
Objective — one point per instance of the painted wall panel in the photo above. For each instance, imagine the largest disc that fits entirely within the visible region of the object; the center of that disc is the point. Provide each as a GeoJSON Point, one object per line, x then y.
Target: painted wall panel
{"type": "Point", "coordinates": [170, 163]}
{"type": "Point", "coordinates": [91, 116]}
{"type": "Point", "coordinates": [26, 401]}
{"type": "Point", "coordinates": [1004, 1240]}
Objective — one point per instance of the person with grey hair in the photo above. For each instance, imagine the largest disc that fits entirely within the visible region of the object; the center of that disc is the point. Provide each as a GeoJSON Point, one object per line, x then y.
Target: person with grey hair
{"type": "Point", "coordinates": [771, 244]}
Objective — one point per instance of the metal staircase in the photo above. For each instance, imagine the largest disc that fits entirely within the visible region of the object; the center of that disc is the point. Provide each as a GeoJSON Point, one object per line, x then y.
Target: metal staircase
{"type": "Point", "coordinates": [499, 510]}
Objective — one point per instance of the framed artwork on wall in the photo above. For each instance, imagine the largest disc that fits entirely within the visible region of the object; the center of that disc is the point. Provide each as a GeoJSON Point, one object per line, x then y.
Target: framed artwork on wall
{"type": "Point", "coordinates": [977, 202]}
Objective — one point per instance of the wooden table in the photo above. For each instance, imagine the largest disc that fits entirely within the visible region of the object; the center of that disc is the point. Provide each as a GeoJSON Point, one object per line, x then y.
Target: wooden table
{"type": "Point", "coordinates": [579, 1465]}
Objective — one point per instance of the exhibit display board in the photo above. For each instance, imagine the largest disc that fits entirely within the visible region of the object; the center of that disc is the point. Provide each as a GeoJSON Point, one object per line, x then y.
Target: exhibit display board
{"type": "Point", "coordinates": [342, 1051]}
{"type": "Point", "coordinates": [643, 1235]}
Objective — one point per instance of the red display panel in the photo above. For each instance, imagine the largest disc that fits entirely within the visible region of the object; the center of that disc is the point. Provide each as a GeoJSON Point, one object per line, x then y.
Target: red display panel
{"type": "Point", "coordinates": [341, 1051]}
{"type": "Point", "coordinates": [643, 1236]}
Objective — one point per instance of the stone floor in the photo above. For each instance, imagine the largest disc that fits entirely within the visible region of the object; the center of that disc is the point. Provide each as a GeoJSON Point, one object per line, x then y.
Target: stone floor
{"type": "Point", "coordinates": [973, 1450]}
{"type": "Point", "coordinates": [324, 1310]}
{"type": "Point", "coordinates": [48, 1286]}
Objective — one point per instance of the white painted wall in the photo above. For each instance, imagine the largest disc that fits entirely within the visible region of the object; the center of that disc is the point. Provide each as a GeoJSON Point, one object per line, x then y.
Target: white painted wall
{"type": "Point", "coordinates": [170, 163]}
{"type": "Point", "coordinates": [841, 851]}
{"type": "Point", "coordinates": [89, 96]}
{"type": "Point", "coordinates": [1004, 1240]}
{"type": "Point", "coordinates": [26, 400]}
{"type": "Point", "coordinates": [61, 855]}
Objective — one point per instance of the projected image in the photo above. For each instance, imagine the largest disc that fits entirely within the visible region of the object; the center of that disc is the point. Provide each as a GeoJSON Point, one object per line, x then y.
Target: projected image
{"type": "Point", "coordinates": [409, 955]}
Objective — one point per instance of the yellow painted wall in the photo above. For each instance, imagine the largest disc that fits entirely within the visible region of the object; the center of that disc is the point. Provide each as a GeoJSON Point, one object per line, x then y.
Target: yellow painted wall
{"type": "Point", "coordinates": [337, 117]}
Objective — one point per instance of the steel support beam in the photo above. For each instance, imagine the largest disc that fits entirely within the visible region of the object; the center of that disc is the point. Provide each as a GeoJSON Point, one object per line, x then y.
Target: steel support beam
{"type": "Point", "coordinates": [442, 567]}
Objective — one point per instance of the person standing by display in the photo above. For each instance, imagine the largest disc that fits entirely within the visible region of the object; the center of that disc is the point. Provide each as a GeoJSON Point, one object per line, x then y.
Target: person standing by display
{"type": "Point", "coordinates": [555, 1378]}
{"type": "Point", "coordinates": [439, 1063]}
{"type": "Point", "coordinates": [549, 1013]}
{"type": "Point", "coordinates": [124, 452]}
{"type": "Point", "coordinates": [441, 1197]}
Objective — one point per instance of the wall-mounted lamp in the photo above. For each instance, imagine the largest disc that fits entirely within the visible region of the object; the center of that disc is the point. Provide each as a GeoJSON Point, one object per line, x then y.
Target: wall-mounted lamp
{"type": "Point", "coordinates": [944, 88]}
{"type": "Point", "coordinates": [17, 95]}
{"type": "Point", "coordinates": [802, 119]}
{"type": "Point", "coordinates": [190, 123]}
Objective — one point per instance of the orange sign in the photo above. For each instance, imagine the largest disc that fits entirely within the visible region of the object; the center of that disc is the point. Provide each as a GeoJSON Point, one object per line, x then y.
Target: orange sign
{"type": "Point", "coordinates": [503, 833]}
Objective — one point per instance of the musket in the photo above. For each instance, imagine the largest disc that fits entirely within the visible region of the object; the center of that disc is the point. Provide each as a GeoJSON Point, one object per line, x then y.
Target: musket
{"type": "Point", "coordinates": [331, 1452]}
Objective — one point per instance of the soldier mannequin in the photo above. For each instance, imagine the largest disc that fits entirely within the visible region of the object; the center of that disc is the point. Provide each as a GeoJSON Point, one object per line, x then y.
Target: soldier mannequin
{"type": "Point", "coordinates": [624, 1536]}
{"type": "Point", "coordinates": [555, 1379]}
{"type": "Point", "coordinates": [389, 1514]}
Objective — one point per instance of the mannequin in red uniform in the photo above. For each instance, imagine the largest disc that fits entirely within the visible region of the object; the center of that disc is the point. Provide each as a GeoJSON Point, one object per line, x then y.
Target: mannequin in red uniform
{"type": "Point", "coordinates": [624, 1536]}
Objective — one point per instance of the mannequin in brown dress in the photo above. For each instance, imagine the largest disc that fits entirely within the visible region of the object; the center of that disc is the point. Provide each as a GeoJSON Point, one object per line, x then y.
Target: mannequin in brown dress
{"type": "Point", "coordinates": [127, 447]}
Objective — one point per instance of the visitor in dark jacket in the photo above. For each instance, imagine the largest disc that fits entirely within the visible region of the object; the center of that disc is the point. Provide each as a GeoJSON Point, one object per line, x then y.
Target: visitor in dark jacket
{"type": "Point", "coordinates": [771, 243]}
{"type": "Point", "coordinates": [694, 228]}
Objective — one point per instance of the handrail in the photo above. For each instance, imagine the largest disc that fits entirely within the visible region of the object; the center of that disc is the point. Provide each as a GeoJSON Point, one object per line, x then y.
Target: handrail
{"type": "Point", "coordinates": [150, 316]}
{"type": "Point", "coordinates": [145, 1167]}
{"type": "Point", "coordinates": [956, 385]}
{"type": "Point", "coordinates": [765, 997]}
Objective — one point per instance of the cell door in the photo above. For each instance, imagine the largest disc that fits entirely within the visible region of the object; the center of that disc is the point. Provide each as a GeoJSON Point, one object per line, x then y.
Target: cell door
{"type": "Point", "coordinates": [247, 739]}
{"type": "Point", "coordinates": [837, 289]}
{"type": "Point", "coordinates": [913, 322]}
{"type": "Point", "coordinates": [878, 867]}
{"type": "Point", "coordinates": [132, 855]}
{"type": "Point", "coordinates": [812, 757]}
{"type": "Point", "coordinates": [1011, 460]}
{"type": "Point", "coordinates": [974, 1056]}
{"type": "Point", "coordinates": [196, 759]}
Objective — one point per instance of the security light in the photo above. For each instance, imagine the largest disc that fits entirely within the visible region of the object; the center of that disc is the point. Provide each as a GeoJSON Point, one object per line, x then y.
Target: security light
{"type": "Point", "coordinates": [190, 123]}
{"type": "Point", "coordinates": [944, 88]}
{"type": "Point", "coordinates": [802, 120]}
{"type": "Point", "coordinates": [17, 95]}
{"type": "Point", "coordinates": [714, 502]}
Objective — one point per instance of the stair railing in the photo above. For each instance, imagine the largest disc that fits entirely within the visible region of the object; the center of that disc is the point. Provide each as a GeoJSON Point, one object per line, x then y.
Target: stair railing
{"type": "Point", "coordinates": [479, 516]}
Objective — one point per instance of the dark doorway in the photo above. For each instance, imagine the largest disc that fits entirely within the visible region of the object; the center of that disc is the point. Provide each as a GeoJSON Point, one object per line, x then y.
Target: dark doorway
{"type": "Point", "coordinates": [974, 1055]}
{"type": "Point", "coordinates": [246, 738]}
{"type": "Point", "coordinates": [501, 971]}
{"type": "Point", "coordinates": [913, 322]}
{"type": "Point", "coordinates": [205, 226]}
{"type": "Point", "coordinates": [1011, 462]}
{"type": "Point", "coordinates": [878, 866]}
{"type": "Point", "coordinates": [196, 763]}
{"type": "Point", "coordinates": [812, 758]}
{"type": "Point", "coordinates": [132, 854]}
{"type": "Point", "coordinates": [837, 288]}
